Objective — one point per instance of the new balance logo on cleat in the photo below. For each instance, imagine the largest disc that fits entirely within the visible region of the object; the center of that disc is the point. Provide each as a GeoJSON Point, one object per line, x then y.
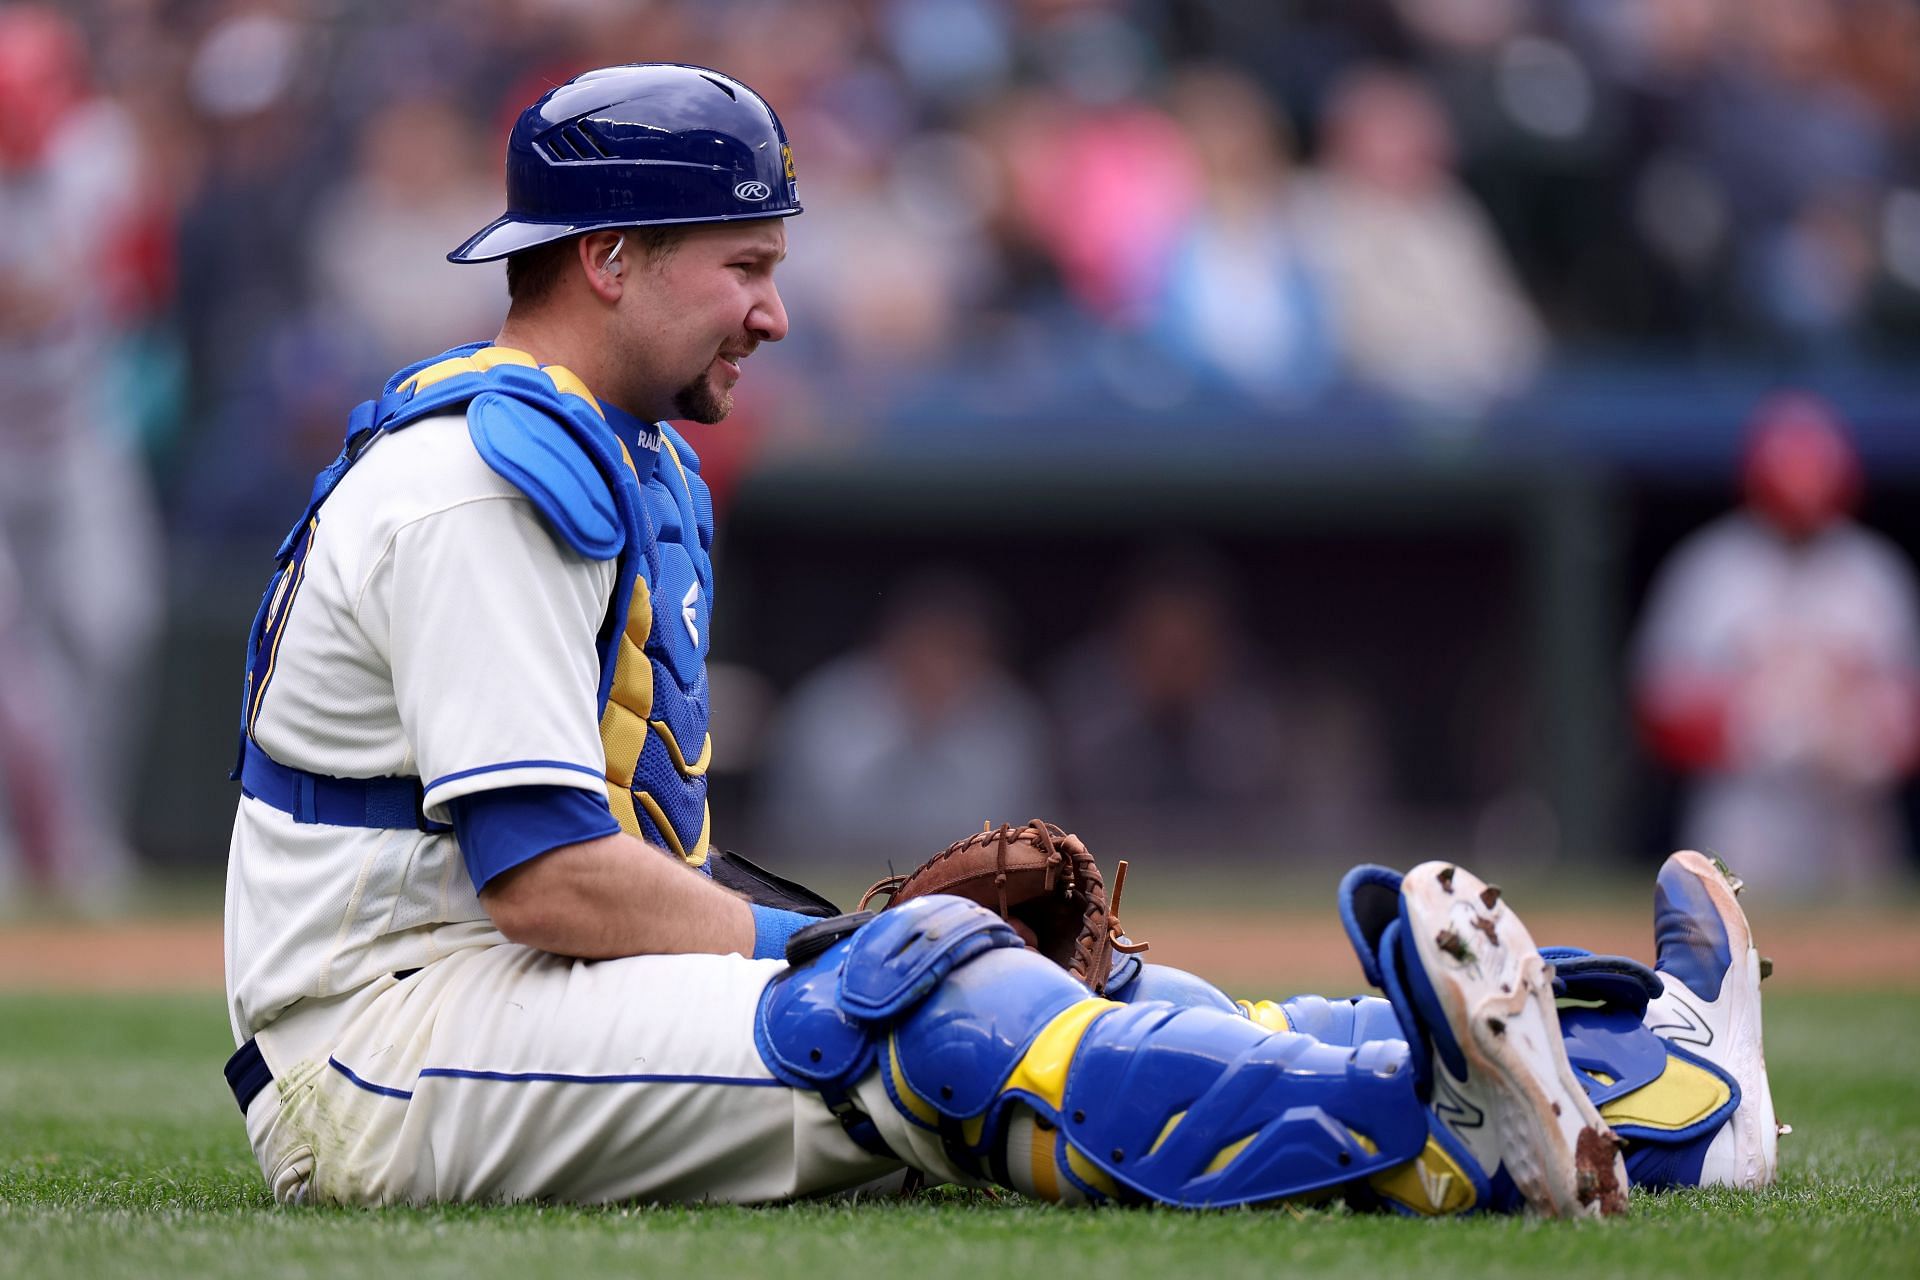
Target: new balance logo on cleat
{"type": "Point", "coordinates": [1682, 1022]}
{"type": "Point", "coordinates": [1454, 1110]}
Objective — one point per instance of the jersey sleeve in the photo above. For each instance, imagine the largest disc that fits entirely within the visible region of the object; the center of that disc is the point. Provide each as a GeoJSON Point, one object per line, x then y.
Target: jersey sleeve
{"type": "Point", "coordinates": [500, 829]}
{"type": "Point", "coordinates": [1694, 604]}
{"type": "Point", "coordinates": [491, 627]}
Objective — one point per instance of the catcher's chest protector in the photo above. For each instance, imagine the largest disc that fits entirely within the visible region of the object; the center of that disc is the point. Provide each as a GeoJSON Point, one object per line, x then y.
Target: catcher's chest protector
{"type": "Point", "coordinates": [607, 486]}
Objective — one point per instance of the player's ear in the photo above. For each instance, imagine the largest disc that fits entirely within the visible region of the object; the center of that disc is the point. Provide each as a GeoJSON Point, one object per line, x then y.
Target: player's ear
{"type": "Point", "coordinates": [602, 257]}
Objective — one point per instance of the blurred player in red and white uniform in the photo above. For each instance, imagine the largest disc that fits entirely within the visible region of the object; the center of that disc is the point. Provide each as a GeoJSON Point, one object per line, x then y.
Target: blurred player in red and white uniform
{"type": "Point", "coordinates": [79, 593]}
{"type": "Point", "coordinates": [1778, 666]}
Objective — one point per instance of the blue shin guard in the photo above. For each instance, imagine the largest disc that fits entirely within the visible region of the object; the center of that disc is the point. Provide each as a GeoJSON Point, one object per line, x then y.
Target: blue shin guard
{"type": "Point", "coordinates": [1442, 1179]}
{"type": "Point", "coordinates": [1194, 1107]}
{"type": "Point", "coordinates": [1198, 1108]}
{"type": "Point", "coordinates": [1351, 1021]}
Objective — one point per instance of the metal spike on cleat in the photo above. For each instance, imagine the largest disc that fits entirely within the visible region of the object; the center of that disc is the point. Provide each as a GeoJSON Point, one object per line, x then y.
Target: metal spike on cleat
{"type": "Point", "coordinates": [1733, 881]}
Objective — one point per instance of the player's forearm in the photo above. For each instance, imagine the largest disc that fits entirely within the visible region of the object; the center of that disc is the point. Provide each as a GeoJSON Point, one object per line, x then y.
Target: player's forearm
{"type": "Point", "coordinates": [614, 897]}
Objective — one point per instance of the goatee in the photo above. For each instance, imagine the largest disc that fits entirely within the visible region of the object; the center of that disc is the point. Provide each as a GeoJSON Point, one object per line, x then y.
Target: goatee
{"type": "Point", "coordinates": [701, 401]}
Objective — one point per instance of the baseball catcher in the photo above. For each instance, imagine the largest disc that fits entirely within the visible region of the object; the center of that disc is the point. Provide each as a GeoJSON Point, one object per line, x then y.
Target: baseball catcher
{"type": "Point", "coordinates": [482, 946]}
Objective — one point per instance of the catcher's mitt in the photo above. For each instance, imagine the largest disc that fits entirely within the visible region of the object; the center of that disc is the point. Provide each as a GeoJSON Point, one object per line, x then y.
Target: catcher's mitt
{"type": "Point", "coordinates": [1042, 881]}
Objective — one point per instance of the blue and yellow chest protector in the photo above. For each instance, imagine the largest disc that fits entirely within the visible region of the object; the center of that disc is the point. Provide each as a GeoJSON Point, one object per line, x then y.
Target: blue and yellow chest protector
{"type": "Point", "coordinates": [609, 487]}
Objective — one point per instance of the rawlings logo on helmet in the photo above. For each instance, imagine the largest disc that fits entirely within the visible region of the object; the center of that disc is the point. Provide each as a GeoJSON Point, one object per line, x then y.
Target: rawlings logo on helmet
{"type": "Point", "coordinates": [753, 191]}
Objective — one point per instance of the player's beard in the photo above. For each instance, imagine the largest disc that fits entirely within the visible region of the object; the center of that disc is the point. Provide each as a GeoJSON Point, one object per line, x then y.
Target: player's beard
{"type": "Point", "coordinates": [701, 401]}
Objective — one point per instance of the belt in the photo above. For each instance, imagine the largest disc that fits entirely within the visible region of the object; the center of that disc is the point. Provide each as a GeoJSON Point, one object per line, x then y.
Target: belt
{"type": "Point", "coordinates": [382, 803]}
{"type": "Point", "coordinates": [247, 1074]}
{"type": "Point", "coordinates": [247, 1071]}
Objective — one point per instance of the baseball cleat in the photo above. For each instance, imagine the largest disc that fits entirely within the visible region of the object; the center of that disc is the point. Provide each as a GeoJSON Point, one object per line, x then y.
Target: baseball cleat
{"type": "Point", "coordinates": [1704, 952]}
{"type": "Point", "coordinates": [1501, 1080]}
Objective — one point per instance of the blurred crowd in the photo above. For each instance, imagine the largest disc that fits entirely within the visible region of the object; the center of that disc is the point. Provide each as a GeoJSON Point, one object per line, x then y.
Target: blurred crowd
{"type": "Point", "coordinates": [1411, 203]}
{"type": "Point", "coordinates": [225, 223]}
{"type": "Point", "coordinates": [1163, 721]}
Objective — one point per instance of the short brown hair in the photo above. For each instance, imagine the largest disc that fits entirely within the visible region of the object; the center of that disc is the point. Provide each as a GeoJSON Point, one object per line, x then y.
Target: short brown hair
{"type": "Point", "coordinates": [534, 273]}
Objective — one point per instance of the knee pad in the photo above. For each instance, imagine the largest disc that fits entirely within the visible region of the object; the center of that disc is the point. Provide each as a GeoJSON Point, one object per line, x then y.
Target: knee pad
{"type": "Point", "coordinates": [1135, 981]}
{"type": "Point", "coordinates": [819, 1024]}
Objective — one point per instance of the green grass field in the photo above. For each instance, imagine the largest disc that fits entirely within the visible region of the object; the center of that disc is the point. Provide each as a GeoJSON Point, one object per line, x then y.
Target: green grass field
{"type": "Point", "coordinates": [121, 1154]}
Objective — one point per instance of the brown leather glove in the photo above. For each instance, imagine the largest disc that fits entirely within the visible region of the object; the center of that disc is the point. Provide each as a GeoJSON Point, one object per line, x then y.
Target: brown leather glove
{"type": "Point", "coordinates": [1041, 881]}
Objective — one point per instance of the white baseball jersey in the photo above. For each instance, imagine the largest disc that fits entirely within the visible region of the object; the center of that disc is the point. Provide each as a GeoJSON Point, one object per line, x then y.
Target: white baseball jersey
{"type": "Point", "coordinates": [1820, 645]}
{"type": "Point", "coordinates": [438, 629]}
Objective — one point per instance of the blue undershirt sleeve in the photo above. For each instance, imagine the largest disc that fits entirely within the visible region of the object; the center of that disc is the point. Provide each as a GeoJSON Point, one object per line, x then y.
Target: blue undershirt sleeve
{"type": "Point", "coordinates": [499, 830]}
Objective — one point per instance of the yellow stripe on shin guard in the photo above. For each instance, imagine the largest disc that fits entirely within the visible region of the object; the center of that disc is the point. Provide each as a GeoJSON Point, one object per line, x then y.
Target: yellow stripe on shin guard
{"type": "Point", "coordinates": [1431, 1184]}
{"type": "Point", "coordinates": [1683, 1095]}
{"type": "Point", "coordinates": [1042, 1070]}
{"type": "Point", "coordinates": [1166, 1130]}
{"type": "Point", "coordinates": [918, 1108]}
{"type": "Point", "coordinates": [1265, 1013]}
{"type": "Point", "coordinates": [1090, 1174]}
{"type": "Point", "coordinates": [1227, 1155]}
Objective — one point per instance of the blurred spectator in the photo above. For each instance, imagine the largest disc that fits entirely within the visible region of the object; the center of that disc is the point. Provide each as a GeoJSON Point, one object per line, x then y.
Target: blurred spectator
{"type": "Point", "coordinates": [910, 743]}
{"type": "Point", "coordinates": [246, 227]}
{"type": "Point", "coordinates": [1238, 297]}
{"type": "Point", "coordinates": [1799, 148]}
{"type": "Point", "coordinates": [79, 554]}
{"type": "Point", "coordinates": [380, 245]}
{"type": "Point", "coordinates": [1105, 190]}
{"type": "Point", "coordinates": [1424, 301]}
{"type": "Point", "coordinates": [1166, 723]}
{"type": "Point", "coordinates": [1101, 177]}
{"type": "Point", "coordinates": [1778, 667]}
{"type": "Point", "coordinates": [880, 274]}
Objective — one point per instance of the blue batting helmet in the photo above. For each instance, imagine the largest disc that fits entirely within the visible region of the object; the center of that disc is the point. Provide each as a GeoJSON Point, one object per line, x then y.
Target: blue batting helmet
{"type": "Point", "coordinates": [638, 145]}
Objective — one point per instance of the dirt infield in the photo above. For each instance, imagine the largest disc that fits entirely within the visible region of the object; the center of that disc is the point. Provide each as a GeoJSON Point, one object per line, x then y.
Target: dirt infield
{"type": "Point", "coordinates": [1243, 952]}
